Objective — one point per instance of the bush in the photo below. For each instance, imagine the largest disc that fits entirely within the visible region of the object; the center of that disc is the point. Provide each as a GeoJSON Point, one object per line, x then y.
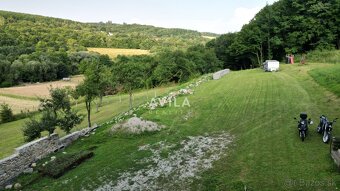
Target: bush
{"type": "Point", "coordinates": [32, 130]}
{"type": "Point", "coordinates": [6, 113]}
{"type": "Point", "coordinates": [63, 163]}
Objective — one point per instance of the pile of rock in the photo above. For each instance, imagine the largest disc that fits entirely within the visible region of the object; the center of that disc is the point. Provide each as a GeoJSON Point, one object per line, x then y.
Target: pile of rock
{"type": "Point", "coordinates": [136, 125]}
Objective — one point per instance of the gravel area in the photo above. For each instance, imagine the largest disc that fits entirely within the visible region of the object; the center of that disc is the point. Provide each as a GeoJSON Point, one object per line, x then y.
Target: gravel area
{"type": "Point", "coordinates": [173, 166]}
{"type": "Point", "coordinates": [136, 125]}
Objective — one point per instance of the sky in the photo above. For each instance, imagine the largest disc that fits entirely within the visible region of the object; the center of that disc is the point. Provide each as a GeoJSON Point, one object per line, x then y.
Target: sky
{"type": "Point", "coordinates": [217, 16]}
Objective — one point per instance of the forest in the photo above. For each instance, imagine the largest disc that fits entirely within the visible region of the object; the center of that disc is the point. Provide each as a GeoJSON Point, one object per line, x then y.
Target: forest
{"type": "Point", "coordinates": [37, 49]}
{"type": "Point", "coordinates": [286, 27]}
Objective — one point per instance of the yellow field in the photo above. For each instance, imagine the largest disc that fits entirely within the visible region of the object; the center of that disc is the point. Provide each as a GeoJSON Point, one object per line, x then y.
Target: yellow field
{"type": "Point", "coordinates": [17, 105]}
{"type": "Point", "coordinates": [39, 89]}
{"type": "Point", "coordinates": [114, 52]}
{"type": "Point", "coordinates": [209, 37]}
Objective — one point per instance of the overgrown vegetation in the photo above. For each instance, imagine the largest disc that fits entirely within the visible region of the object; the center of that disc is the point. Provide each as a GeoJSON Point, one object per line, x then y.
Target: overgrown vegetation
{"type": "Point", "coordinates": [329, 77]}
{"type": "Point", "coordinates": [318, 56]}
{"type": "Point", "coordinates": [63, 163]}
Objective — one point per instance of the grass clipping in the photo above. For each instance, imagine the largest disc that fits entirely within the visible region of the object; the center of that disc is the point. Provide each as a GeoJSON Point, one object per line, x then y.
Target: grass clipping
{"type": "Point", "coordinates": [136, 125]}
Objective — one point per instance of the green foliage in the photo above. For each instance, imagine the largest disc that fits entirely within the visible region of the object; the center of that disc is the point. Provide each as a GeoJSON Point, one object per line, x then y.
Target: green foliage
{"type": "Point", "coordinates": [69, 119]}
{"type": "Point", "coordinates": [36, 48]}
{"type": "Point", "coordinates": [48, 121]}
{"type": "Point", "coordinates": [174, 67]}
{"type": "Point", "coordinates": [56, 111]}
{"type": "Point", "coordinates": [32, 130]}
{"type": "Point", "coordinates": [92, 85]}
{"type": "Point", "coordinates": [287, 26]}
{"type": "Point", "coordinates": [63, 163]}
{"type": "Point", "coordinates": [6, 114]}
{"type": "Point", "coordinates": [59, 101]}
{"type": "Point", "coordinates": [165, 67]}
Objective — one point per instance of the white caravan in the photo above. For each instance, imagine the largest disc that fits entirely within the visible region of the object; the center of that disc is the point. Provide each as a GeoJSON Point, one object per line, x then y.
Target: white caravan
{"type": "Point", "coordinates": [271, 65]}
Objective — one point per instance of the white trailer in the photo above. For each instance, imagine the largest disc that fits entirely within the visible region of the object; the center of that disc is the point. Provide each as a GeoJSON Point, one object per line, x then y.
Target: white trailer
{"type": "Point", "coordinates": [271, 65]}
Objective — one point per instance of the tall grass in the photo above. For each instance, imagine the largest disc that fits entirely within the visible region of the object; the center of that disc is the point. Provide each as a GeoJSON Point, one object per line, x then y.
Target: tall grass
{"type": "Point", "coordinates": [328, 77]}
{"type": "Point", "coordinates": [332, 57]}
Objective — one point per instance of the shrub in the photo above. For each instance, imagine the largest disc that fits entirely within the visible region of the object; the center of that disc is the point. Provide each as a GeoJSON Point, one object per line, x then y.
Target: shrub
{"type": "Point", "coordinates": [6, 113]}
{"type": "Point", "coordinates": [32, 130]}
{"type": "Point", "coordinates": [63, 163]}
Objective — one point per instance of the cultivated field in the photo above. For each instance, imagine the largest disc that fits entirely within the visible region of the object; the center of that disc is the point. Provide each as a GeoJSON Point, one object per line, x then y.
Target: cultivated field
{"type": "Point", "coordinates": [209, 37]}
{"type": "Point", "coordinates": [265, 154]}
{"type": "Point", "coordinates": [20, 105]}
{"type": "Point", "coordinates": [39, 89]}
{"type": "Point", "coordinates": [114, 52]}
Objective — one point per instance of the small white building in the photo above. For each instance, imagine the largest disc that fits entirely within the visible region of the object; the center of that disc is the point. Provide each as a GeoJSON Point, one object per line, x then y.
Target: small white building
{"type": "Point", "coordinates": [271, 65]}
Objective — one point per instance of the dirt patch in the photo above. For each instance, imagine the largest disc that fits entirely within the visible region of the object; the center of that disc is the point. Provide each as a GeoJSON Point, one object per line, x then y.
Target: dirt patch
{"type": "Point", "coordinates": [173, 166]}
{"type": "Point", "coordinates": [40, 89]}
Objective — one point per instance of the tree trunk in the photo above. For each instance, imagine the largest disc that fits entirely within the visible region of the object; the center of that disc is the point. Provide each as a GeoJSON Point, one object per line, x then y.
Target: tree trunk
{"type": "Point", "coordinates": [130, 93]}
{"type": "Point", "coordinates": [100, 100]}
{"type": "Point", "coordinates": [88, 108]}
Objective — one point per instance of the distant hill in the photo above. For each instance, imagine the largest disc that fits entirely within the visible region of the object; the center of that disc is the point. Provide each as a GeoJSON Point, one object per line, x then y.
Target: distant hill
{"type": "Point", "coordinates": [37, 49]}
{"type": "Point", "coordinates": [24, 33]}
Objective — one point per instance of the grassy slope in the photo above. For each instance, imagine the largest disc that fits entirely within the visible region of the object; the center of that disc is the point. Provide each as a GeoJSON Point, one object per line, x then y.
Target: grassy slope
{"type": "Point", "coordinates": [328, 77]}
{"type": "Point", "coordinates": [11, 133]}
{"type": "Point", "coordinates": [267, 153]}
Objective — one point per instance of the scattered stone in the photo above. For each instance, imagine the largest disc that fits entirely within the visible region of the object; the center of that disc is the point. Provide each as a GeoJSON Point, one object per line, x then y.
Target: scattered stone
{"type": "Point", "coordinates": [17, 186]}
{"type": "Point", "coordinates": [64, 152]}
{"type": "Point", "coordinates": [173, 166]}
{"type": "Point", "coordinates": [136, 125]}
{"type": "Point", "coordinates": [53, 158]}
{"type": "Point", "coordinates": [10, 186]}
{"type": "Point", "coordinates": [93, 133]}
{"type": "Point", "coordinates": [34, 165]}
{"type": "Point", "coordinates": [28, 171]}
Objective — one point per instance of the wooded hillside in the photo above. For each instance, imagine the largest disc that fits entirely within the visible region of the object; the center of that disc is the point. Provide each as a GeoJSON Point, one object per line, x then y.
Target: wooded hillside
{"type": "Point", "coordinates": [286, 27]}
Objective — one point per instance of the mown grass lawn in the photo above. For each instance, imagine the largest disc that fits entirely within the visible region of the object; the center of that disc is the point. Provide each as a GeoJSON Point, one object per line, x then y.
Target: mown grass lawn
{"type": "Point", "coordinates": [257, 108]}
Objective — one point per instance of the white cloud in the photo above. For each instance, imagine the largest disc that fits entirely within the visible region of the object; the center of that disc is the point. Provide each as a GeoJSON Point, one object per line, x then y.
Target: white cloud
{"type": "Point", "coordinates": [241, 16]}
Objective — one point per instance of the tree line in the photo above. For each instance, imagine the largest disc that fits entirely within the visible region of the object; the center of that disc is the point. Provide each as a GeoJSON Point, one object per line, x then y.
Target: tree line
{"type": "Point", "coordinates": [286, 27]}
{"type": "Point", "coordinates": [124, 74]}
{"type": "Point", "coordinates": [128, 73]}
